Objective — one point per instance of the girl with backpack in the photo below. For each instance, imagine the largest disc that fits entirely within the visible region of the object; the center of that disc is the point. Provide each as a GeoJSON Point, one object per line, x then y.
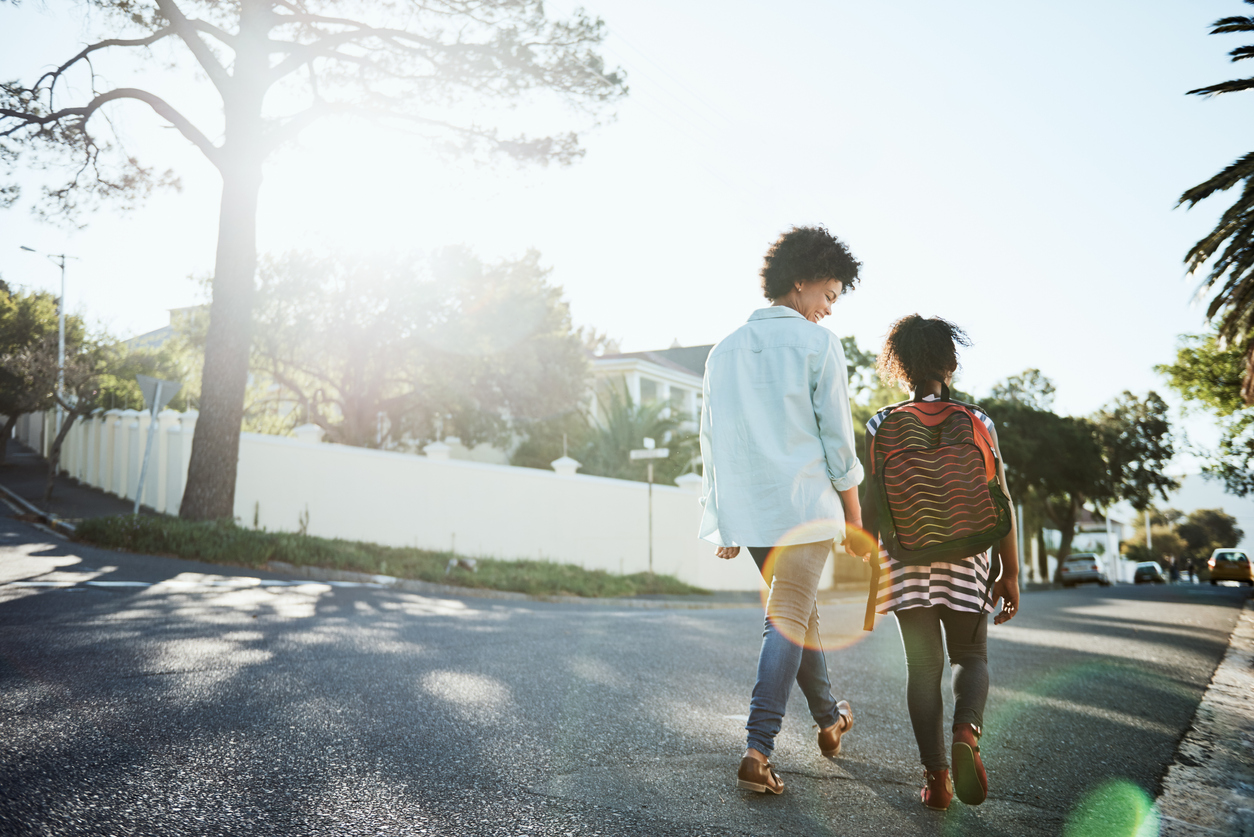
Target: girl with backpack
{"type": "Point", "coordinates": [937, 500]}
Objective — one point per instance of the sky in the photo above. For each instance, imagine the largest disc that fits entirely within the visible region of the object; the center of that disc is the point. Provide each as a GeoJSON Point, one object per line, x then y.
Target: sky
{"type": "Point", "coordinates": [1011, 167]}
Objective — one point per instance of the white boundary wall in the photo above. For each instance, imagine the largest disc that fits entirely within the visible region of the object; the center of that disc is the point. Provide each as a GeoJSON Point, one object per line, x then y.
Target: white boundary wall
{"type": "Point", "coordinates": [398, 499]}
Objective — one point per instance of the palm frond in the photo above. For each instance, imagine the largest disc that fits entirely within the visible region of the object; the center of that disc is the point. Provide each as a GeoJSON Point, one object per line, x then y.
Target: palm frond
{"type": "Point", "coordinates": [1241, 53]}
{"type": "Point", "coordinates": [1227, 25]}
{"type": "Point", "coordinates": [1241, 169]}
{"type": "Point", "coordinates": [1233, 86]}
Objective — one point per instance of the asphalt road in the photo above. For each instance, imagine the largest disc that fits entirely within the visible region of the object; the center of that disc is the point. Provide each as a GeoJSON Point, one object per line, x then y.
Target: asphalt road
{"type": "Point", "coordinates": [196, 703]}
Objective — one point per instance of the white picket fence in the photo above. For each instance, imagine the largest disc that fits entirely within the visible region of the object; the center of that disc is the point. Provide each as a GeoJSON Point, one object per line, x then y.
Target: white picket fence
{"type": "Point", "coordinates": [398, 499]}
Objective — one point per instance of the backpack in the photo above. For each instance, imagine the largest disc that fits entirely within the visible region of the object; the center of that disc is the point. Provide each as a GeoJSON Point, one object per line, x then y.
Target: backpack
{"type": "Point", "coordinates": [933, 493]}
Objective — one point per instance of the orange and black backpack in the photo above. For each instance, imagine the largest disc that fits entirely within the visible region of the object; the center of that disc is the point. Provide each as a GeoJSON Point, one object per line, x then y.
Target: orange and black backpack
{"type": "Point", "coordinates": [933, 493]}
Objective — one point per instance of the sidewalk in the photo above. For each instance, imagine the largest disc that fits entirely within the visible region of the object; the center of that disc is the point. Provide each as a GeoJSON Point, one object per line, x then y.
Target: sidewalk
{"type": "Point", "coordinates": [25, 473]}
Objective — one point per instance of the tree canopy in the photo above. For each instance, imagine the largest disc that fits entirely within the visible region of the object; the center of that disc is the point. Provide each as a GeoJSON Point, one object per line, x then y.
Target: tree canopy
{"type": "Point", "coordinates": [1229, 247]}
{"type": "Point", "coordinates": [398, 350]}
{"type": "Point", "coordinates": [1205, 530]}
{"type": "Point", "coordinates": [1056, 464]}
{"type": "Point", "coordinates": [28, 338]}
{"type": "Point", "coordinates": [1209, 374]}
{"type": "Point", "coordinates": [443, 69]}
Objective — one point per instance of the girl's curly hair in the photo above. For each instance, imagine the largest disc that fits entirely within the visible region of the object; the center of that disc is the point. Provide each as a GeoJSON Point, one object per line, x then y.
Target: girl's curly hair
{"type": "Point", "coordinates": [807, 254]}
{"type": "Point", "coordinates": [917, 350]}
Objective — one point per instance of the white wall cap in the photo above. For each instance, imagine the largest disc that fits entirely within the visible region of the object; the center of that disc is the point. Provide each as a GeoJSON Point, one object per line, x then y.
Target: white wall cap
{"type": "Point", "coordinates": [437, 450]}
{"type": "Point", "coordinates": [690, 481]}
{"type": "Point", "coordinates": [566, 466]}
{"type": "Point", "coordinates": [309, 433]}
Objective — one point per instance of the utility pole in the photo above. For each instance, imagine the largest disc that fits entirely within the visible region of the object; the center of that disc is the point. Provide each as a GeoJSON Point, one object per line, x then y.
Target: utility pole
{"type": "Point", "coordinates": [60, 329]}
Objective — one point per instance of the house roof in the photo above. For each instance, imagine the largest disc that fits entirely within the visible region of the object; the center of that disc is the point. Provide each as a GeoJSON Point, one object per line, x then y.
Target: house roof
{"type": "Point", "coordinates": [151, 339]}
{"type": "Point", "coordinates": [689, 359]}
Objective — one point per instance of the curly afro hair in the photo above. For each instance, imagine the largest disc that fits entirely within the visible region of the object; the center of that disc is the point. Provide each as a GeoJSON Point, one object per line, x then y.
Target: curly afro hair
{"type": "Point", "coordinates": [917, 350]}
{"type": "Point", "coordinates": [807, 254]}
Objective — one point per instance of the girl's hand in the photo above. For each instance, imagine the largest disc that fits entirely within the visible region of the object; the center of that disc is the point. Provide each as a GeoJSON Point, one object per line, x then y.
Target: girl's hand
{"type": "Point", "coordinates": [1006, 589]}
{"type": "Point", "coordinates": [727, 552]}
{"type": "Point", "coordinates": [858, 541]}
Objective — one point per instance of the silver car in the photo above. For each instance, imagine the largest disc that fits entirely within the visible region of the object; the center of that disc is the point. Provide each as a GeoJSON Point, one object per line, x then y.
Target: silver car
{"type": "Point", "coordinates": [1081, 567]}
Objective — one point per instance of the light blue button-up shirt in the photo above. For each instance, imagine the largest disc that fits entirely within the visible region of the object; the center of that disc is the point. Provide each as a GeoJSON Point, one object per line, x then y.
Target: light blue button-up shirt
{"type": "Point", "coordinates": [776, 434]}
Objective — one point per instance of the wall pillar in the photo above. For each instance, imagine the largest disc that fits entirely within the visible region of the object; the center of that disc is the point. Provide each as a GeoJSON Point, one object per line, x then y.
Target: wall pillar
{"type": "Point", "coordinates": [159, 496]}
{"type": "Point", "coordinates": [134, 452]}
{"type": "Point", "coordinates": [633, 386]}
{"type": "Point", "coordinates": [117, 453]}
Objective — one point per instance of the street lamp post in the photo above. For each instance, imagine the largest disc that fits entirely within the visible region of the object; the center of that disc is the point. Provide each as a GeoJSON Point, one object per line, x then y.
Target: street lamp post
{"type": "Point", "coordinates": [650, 452]}
{"type": "Point", "coordinates": [60, 327]}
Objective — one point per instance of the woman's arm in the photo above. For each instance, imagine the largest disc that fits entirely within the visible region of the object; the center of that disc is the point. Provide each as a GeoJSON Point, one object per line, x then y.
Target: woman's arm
{"type": "Point", "coordinates": [830, 398]}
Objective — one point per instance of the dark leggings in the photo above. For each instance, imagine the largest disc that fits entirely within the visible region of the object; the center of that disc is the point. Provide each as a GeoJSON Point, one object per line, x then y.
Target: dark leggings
{"type": "Point", "coordinates": [966, 638]}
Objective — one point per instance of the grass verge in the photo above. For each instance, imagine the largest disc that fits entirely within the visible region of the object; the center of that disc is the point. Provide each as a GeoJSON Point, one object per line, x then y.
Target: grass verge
{"type": "Point", "coordinates": [222, 542]}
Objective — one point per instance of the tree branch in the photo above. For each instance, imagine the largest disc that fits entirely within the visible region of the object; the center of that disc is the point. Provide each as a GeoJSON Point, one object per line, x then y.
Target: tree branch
{"type": "Point", "coordinates": [105, 44]}
{"type": "Point", "coordinates": [162, 108]}
{"type": "Point", "coordinates": [189, 31]}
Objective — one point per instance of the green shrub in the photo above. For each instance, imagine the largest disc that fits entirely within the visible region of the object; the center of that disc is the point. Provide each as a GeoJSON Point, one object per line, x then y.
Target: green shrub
{"type": "Point", "coordinates": [222, 542]}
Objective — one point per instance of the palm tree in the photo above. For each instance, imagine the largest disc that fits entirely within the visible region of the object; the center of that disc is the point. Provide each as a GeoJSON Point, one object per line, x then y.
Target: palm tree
{"type": "Point", "coordinates": [1233, 268]}
{"type": "Point", "coordinates": [623, 426]}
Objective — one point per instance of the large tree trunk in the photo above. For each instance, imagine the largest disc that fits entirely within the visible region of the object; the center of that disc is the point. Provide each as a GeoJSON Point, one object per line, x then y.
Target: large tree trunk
{"type": "Point", "coordinates": [5, 435]}
{"type": "Point", "coordinates": [1066, 526]}
{"type": "Point", "coordinates": [1042, 557]}
{"type": "Point", "coordinates": [210, 491]}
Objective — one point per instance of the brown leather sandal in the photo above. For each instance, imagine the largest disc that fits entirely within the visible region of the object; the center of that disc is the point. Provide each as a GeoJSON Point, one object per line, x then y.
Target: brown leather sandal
{"type": "Point", "coordinates": [829, 739]}
{"type": "Point", "coordinates": [938, 791]}
{"type": "Point", "coordinates": [758, 776]}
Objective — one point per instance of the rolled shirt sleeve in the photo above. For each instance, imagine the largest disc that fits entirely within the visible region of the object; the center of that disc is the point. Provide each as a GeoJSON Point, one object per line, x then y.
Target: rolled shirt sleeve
{"type": "Point", "coordinates": [832, 411]}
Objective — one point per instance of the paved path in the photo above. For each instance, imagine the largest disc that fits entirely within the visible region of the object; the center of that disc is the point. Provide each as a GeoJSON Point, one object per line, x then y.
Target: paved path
{"type": "Point", "coordinates": [25, 473]}
{"type": "Point", "coordinates": [207, 704]}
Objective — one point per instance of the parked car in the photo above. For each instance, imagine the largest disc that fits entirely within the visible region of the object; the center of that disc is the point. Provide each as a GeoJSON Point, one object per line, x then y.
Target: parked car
{"type": "Point", "coordinates": [1081, 567]}
{"type": "Point", "coordinates": [1148, 572]}
{"type": "Point", "coordinates": [1230, 565]}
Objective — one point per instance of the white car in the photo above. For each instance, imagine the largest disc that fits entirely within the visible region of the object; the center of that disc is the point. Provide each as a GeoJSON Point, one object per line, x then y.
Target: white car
{"type": "Point", "coordinates": [1081, 567]}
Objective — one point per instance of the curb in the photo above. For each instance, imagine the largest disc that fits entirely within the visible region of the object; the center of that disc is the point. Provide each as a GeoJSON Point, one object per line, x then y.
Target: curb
{"type": "Point", "coordinates": [47, 518]}
{"type": "Point", "coordinates": [1209, 788]}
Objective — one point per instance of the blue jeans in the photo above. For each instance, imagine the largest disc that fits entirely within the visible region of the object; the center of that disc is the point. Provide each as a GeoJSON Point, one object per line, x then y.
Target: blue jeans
{"type": "Point", "coordinates": [791, 611]}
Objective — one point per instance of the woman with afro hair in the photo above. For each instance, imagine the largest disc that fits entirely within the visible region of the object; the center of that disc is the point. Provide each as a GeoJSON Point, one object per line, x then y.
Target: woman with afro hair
{"type": "Point", "coordinates": [921, 355]}
{"type": "Point", "coordinates": [781, 476]}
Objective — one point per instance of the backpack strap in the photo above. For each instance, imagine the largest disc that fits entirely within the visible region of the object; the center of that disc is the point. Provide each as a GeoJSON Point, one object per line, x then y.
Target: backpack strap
{"type": "Point", "coordinates": [871, 522]}
{"type": "Point", "coordinates": [873, 596]}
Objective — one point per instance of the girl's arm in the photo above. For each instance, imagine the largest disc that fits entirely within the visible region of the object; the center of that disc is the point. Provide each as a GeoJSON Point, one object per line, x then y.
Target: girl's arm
{"type": "Point", "coordinates": [1007, 587]}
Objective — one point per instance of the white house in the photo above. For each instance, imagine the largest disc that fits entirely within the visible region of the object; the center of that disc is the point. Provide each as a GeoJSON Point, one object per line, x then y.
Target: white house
{"type": "Point", "coordinates": [669, 375]}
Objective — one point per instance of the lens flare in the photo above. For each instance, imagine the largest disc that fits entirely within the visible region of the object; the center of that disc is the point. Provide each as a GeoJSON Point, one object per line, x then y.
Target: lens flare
{"type": "Point", "coordinates": [842, 623]}
{"type": "Point", "coordinates": [1114, 809]}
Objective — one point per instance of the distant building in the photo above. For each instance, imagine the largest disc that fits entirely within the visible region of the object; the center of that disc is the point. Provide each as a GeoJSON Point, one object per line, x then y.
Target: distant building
{"type": "Point", "coordinates": [671, 375]}
{"type": "Point", "coordinates": [180, 318]}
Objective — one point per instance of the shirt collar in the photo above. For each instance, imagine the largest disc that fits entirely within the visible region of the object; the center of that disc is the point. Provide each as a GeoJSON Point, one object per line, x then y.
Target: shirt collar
{"type": "Point", "coordinates": [774, 311]}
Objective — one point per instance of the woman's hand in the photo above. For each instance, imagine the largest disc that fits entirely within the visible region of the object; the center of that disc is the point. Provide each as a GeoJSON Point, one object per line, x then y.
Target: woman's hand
{"type": "Point", "coordinates": [1006, 589]}
{"type": "Point", "coordinates": [727, 552]}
